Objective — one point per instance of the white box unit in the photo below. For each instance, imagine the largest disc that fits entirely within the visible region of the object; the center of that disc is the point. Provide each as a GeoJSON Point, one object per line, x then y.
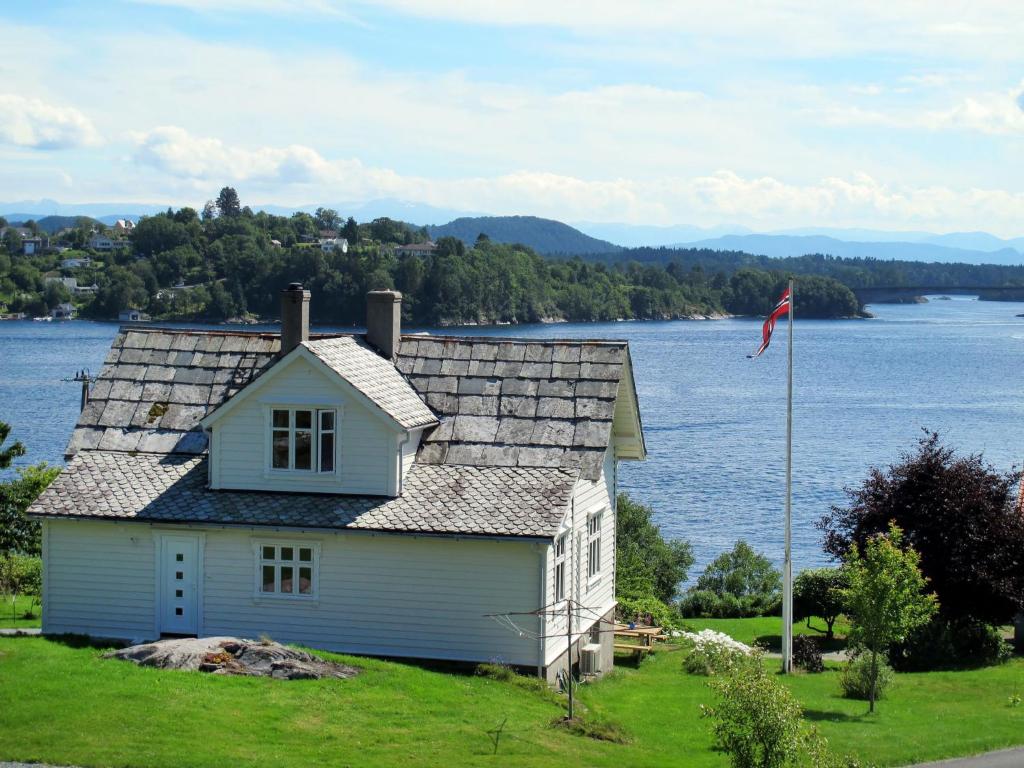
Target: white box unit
{"type": "Point", "coordinates": [590, 659]}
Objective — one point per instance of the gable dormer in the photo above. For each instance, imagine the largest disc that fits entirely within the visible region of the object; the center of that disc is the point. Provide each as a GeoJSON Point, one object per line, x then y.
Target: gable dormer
{"type": "Point", "coordinates": [330, 416]}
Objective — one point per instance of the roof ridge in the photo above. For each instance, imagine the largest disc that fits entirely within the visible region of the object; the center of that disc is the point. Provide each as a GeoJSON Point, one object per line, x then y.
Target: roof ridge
{"type": "Point", "coordinates": [513, 339]}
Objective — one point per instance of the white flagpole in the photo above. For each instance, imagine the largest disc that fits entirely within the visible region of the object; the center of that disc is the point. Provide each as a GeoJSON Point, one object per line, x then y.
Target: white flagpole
{"type": "Point", "coordinates": [787, 567]}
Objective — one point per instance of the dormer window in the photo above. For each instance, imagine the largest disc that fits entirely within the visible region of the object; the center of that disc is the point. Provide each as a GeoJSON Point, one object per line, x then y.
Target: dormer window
{"type": "Point", "coordinates": [303, 439]}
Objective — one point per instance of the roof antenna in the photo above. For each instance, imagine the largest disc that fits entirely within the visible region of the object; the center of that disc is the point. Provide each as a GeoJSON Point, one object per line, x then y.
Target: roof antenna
{"type": "Point", "coordinates": [86, 379]}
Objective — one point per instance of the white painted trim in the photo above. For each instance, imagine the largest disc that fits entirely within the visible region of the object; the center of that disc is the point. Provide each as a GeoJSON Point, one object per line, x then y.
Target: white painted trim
{"type": "Point", "coordinates": [214, 478]}
{"type": "Point", "coordinates": [303, 352]}
{"type": "Point", "coordinates": [258, 595]}
{"type": "Point", "coordinates": [314, 474]}
{"type": "Point", "coordinates": [159, 542]}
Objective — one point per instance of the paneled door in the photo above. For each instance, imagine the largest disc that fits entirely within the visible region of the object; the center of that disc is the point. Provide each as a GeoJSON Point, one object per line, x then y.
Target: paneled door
{"type": "Point", "coordinates": [179, 584]}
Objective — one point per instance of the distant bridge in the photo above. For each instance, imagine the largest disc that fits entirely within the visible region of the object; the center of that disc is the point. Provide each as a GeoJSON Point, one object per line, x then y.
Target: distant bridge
{"type": "Point", "coordinates": [895, 293]}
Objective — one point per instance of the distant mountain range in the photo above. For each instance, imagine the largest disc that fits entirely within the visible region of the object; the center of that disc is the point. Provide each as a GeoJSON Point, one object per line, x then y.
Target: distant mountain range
{"type": "Point", "coordinates": [543, 235]}
{"type": "Point", "coordinates": [554, 237]}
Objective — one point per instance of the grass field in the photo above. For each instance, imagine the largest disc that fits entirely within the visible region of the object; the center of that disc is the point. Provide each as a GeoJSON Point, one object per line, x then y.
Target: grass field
{"type": "Point", "coordinates": [65, 705]}
{"type": "Point", "coordinates": [11, 615]}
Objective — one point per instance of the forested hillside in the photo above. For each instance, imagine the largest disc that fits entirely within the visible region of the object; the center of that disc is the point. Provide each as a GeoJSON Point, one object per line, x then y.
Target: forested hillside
{"type": "Point", "coordinates": [228, 262]}
{"type": "Point", "coordinates": [542, 235]}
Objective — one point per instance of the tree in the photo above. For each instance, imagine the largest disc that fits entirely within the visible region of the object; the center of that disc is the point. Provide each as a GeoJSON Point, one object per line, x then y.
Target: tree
{"type": "Point", "coordinates": [11, 452]}
{"type": "Point", "coordinates": [17, 532]}
{"type": "Point", "coordinates": [351, 231]}
{"type": "Point", "coordinates": [885, 598]}
{"type": "Point", "coordinates": [741, 572]}
{"type": "Point", "coordinates": [645, 563]}
{"type": "Point", "coordinates": [819, 592]}
{"type": "Point", "coordinates": [209, 210]}
{"type": "Point", "coordinates": [327, 218]}
{"type": "Point", "coordinates": [228, 203]}
{"type": "Point", "coordinates": [958, 513]}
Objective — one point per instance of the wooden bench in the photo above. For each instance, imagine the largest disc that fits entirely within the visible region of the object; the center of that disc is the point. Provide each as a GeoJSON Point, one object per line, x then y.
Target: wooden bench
{"type": "Point", "coordinates": [635, 649]}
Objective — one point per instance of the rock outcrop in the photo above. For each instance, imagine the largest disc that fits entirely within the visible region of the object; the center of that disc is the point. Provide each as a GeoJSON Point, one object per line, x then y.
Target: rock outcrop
{"type": "Point", "coordinates": [232, 656]}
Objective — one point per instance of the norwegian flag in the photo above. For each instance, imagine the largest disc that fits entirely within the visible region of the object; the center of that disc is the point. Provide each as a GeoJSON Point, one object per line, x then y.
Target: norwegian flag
{"type": "Point", "coordinates": [781, 309]}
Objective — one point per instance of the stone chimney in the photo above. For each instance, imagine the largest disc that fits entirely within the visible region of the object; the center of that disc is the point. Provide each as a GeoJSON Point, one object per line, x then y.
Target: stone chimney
{"type": "Point", "coordinates": [384, 321]}
{"type": "Point", "coordinates": [294, 317]}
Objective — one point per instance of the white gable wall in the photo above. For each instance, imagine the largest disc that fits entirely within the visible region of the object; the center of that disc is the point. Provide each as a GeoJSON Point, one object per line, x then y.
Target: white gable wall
{"type": "Point", "coordinates": [598, 594]}
{"type": "Point", "coordinates": [367, 443]}
{"type": "Point", "coordinates": [387, 595]}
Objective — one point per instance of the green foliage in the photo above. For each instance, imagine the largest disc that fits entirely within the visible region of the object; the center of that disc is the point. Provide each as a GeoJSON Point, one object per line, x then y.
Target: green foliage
{"type": "Point", "coordinates": [958, 513]}
{"type": "Point", "coordinates": [17, 532]}
{"type": "Point", "coordinates": [885, 597]}
{"type": "Point", "coordinates": [711, 658]}
{"type": "Point", "coordinates": [21, 575]}
{"type": "Point", "coordinates": [737, 583]}
{"type": "Point", "coordinates": [12, 451]}
{"type": "Point", "coordinates": [950, 644]}
{"type": "Point", "coordinates": [865, 677]}
{"type": "Point", "coordinates": [645, 563]}
{"type": "Point", "coordinates": [758, 722]}
{"type": "Point", "coordinates": [647, 610]}
{"type": "Point", "coordinates": [595, 728]}
{"type": "Point", "coordinates": [819, 592]}
{"type": "Point", "coordinates": [228, 204]}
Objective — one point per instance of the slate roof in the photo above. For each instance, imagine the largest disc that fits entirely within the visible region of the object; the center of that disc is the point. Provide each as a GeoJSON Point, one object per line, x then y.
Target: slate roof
{"type": "Point", "coordinates": [492, 501]}
{"type": "Point", "coordinates": [375, 377]}
{"type": "Point", "coordinates": [157, 383]}
{"type": "Point", "coordinates": [512, 402]}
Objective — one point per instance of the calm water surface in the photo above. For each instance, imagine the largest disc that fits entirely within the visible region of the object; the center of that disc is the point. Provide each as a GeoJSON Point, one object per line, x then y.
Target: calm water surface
{"type": "Point", "coordinates": [715, 421]}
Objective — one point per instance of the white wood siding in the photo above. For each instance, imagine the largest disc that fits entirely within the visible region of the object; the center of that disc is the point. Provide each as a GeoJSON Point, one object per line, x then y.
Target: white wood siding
{"type": "Point", "coordinates": [368, 453]}
{"type": "Point", "coordinates": [383, 595]}
{"type": "Point", "coordinates": [598, 594]}
{"type": "Point", "coordinates": [100, 579]}
{"type": "Point", "coordinates": [393, 595]}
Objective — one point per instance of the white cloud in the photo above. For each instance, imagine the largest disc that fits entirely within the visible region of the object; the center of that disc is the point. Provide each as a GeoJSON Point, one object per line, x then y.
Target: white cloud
{"type": "Point", "coordinates": [27, 122]}
{"type": "Point", "coordinates": [176, 152]}
{"type": "Point", "coordinates": [992, 113]}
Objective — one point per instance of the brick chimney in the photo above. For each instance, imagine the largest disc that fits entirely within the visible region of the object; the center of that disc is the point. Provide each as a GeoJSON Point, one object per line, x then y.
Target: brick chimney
{"type": "Point", "coordinates": [294, 317]}
{"type": "Point", "coordinates": [384, 321]}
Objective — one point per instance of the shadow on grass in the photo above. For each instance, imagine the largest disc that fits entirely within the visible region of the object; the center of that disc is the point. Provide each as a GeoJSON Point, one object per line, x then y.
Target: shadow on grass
{"type": "Point", "coordinates": [74, 641]}
{"type": "Point", "coordinates": [774, 643]}
{"type": "Point", "coordinates": [831, 716]}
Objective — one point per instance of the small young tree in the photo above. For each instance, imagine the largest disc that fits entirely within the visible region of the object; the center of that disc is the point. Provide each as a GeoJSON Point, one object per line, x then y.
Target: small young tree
{"type": "Point", "coordinates": [884, 597]}
{"type": "Point", "coordinates": [958, 513]}
{"type": "Point", "coordinates": [819, 592]}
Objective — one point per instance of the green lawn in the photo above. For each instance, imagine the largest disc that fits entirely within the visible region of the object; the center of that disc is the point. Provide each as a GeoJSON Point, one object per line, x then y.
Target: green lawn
{"type": "Point", "coordinates": [11, 615]}
{"type": "Point", "coordinates": [65, 705]}
{"type": "Point", "coordinates": [767, 630]}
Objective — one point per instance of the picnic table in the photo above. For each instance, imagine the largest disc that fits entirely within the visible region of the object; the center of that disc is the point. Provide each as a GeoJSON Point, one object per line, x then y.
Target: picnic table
{"type": "Point", "coordinates": [646, 635]}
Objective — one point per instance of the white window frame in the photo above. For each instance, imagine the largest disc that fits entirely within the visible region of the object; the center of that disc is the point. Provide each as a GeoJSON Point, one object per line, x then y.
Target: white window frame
{"type": "Point", "coordinates": [316, 430]}
{"type": "Point", "coordinates": [595, 524]}
{"type": "Point", "coordinates": [277, 563]}
{"type": "Point", "coordinates": [561, 547]}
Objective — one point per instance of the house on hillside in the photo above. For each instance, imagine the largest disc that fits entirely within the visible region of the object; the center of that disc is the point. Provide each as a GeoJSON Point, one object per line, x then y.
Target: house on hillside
{"type": "Point", "coordinates": [328, 244]}
{"type": "Point", "coordinates": [124, 227]}
{"type": "Point", "coordinates": [76, 263]}
{"type": "Point", "coordinates": [379, 494]}
{"type": "Point", "coordinates": [416, 249]}
{"type": "Point", "coordinates": [132, 316]}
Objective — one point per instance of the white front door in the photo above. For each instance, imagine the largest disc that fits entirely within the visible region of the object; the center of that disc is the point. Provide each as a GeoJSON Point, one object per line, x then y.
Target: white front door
{"type": "Point", "coordinates": [179, 584]}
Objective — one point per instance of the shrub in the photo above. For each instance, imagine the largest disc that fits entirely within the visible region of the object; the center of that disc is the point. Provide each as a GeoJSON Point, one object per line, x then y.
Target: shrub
{"type": "Point", "coordinates": [758, 723]}
{"type": "Point", "coordinates": [856, 677]}
{"type": "Point", "coordinates": [646, 564]}
{"type": "Point", "coordinates": [595, 728]}
{"type": "Point", "coordinates": [647, 609]}
{"type": "Point", "coordinates": [950, 644]}
{"type": "Point", "coordinates": [703, 603]}
{"type": "Point", "coordinates": [807, 654]}
{"type": "Point", "coordinates": [714, 653]}
{"type": "Point", "coordinates": [738, 584]}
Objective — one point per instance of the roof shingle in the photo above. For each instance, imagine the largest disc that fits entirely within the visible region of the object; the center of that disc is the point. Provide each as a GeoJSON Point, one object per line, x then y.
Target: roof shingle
{"type": "Point", "coordinates": [436, 499]}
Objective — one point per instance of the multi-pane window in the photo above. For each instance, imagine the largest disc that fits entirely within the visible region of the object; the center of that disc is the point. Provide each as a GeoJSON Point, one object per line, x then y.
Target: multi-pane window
{"type": "Point", "coordinates": [302, 439]}
{"type": "Point", "coordinates": [594, 545]}
{"type": "Point", "coordinates": [560, 566]}
{"type": "Point", "coordinates": [286, 569]}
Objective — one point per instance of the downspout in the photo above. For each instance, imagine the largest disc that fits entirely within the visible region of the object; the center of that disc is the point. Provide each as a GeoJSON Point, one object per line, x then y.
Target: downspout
{"type": "Point", "coordinates": [543, 618]}
{"type": "Point", "coordinates": [401, 462]}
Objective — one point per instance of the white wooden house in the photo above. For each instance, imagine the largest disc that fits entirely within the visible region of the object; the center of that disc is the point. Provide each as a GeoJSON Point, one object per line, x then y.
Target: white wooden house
{"type": "Point", "coordinates": [376, 495]}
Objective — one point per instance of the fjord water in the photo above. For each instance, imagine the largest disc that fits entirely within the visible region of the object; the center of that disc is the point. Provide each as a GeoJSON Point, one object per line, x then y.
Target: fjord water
{"type": "Point", "coordinates": [714, 420]}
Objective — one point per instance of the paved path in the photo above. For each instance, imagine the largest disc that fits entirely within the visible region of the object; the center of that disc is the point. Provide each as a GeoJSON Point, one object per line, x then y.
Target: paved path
{"type": "Point", "coordinates": [15, 633]}
{"type": "Point", "coordinates": [1004, 758]}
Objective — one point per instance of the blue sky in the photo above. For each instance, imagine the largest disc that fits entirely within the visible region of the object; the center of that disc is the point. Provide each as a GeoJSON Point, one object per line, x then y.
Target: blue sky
{"type": "Point", "coordinates": [894, 115]}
